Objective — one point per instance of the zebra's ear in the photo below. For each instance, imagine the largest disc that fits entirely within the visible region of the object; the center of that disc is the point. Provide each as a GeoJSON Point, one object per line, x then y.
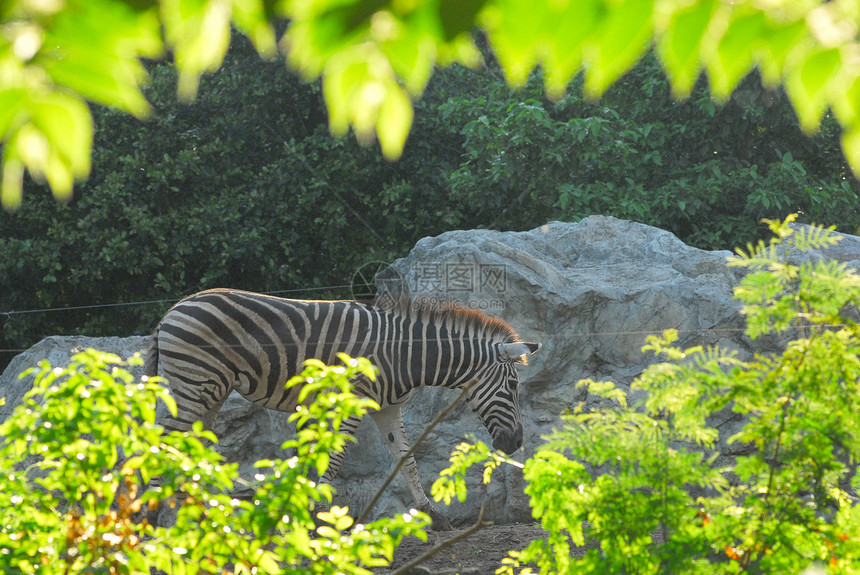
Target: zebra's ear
{"type": "Point", "coordinates": [517, 351]}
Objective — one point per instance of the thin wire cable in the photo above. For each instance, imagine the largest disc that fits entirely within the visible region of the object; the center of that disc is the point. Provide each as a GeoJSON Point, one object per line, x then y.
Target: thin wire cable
{"type": "Point", "coordinates": [157, 301]}
{"type": "Point", "coordinates": [656, 332]}
{"type": "Point", "coordinates": [342, 286]}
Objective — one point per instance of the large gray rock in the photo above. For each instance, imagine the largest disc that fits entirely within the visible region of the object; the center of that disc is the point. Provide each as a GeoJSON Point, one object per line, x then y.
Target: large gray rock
{"type": "Point", "coordinates": [590, 292]}
{"type": "Point", "coordinates": [58, 350]}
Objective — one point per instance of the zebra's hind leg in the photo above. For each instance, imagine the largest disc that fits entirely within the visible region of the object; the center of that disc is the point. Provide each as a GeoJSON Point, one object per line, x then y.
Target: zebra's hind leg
{"type": "Point", "coordinates": [389, 420]}
{"type": "Point", "coordinates": [194, 402]}
{"type": "Point", "coordinates": [349, 427]}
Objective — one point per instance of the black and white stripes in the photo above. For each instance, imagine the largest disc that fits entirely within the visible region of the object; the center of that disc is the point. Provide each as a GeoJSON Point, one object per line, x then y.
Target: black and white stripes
{"type": "Point", "coordinates": [217, 341]}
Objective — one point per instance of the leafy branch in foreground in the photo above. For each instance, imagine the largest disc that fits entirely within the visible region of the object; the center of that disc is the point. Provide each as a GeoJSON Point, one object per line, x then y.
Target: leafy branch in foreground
{"type": "Point", "coordinates": [452, 480]}
{"type": "Point", "coordinates": [72, 457]}
{"type": "Point", "coordinates": [635, 479]}
{"type": "Point", "coordinates": [375, 57]}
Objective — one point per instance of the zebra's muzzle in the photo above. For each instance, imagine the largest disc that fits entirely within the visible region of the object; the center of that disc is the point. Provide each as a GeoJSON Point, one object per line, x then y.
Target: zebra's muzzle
{"type": "Point", "coordinates": [509, 441]}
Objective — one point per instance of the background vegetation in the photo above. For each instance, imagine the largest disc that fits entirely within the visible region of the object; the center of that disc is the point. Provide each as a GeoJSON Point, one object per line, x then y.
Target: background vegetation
{"type": "Point", "coordinates": [246, 188]}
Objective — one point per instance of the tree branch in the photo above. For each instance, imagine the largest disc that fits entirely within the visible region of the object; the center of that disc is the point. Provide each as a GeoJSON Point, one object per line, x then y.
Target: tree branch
{"type": "Point", "coordinates": [442, 414]}
{"type": "Point", "coordinates": [479, 524]}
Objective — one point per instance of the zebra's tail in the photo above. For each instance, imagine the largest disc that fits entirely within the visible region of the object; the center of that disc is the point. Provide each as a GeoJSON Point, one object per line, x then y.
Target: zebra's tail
{"type": "Point", "coordinates": [150, 365]}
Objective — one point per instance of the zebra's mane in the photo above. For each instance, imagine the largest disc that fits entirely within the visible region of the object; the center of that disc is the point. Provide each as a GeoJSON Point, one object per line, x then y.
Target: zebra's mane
{"type": "Point", "coordinates": [450, 313]}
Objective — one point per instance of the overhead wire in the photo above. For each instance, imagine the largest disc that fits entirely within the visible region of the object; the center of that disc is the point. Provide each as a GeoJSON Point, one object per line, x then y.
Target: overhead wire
{"type": "Point", "coordinates": [157, 301]}
{"type": "Point", "coordinates": [620, 333]}
{"type": "Point", "coordinates": [11, 313]}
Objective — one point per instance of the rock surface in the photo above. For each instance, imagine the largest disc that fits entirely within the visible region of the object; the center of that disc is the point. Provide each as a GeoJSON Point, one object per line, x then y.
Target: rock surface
{"type": "Point", "coordinates": [590, 292]}
{"type": "Point", "coordinates": [58, 350]}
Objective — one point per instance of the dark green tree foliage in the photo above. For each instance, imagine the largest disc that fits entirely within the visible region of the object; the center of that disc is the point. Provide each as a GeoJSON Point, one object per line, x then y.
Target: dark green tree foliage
{"type": "Point", "coordinates": [243, 188]}
{"type": "Point", "coordinates": [704, 171]}
{"type": "Point", "coordinates": [246, 188]}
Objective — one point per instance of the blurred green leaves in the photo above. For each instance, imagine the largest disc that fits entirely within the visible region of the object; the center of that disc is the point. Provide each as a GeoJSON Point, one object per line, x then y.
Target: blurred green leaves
{"type": "Point", "coordinates": [50, 133]}
{"type": "Point", "coordinates": [375, 56]}
{"type": "Point", "coordinates": [52, 56]}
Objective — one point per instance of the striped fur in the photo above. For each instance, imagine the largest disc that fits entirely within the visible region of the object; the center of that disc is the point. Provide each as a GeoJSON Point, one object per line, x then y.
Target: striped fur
{"type": "Point", "coordinates": [218, 341]}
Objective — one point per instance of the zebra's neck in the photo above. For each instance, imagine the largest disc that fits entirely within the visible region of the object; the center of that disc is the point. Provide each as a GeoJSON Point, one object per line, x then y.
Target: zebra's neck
{"type": "Point", "coordinates": [419, 352]}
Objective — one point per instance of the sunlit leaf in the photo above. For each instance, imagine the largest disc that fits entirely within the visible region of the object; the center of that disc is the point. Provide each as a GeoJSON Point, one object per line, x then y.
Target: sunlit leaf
{"type": "Point", "coordinates": [732, 58]}
{"type": "Point", "coordinates": [344, 79]}
{"type": "Point", "coordinates": [846, 102]}
{"type": "Point", "coordinates": [66, 123]}
{"type": "Point", "coordinates": [777, 44]}
{"type": "Point", "coordinates": [253, 20]}
{"type": "Point", "coordinates": [807, 85]}
{"type": "Point", "coordinates": [679, 44]}
{"type": "Point", "coordinates": [318, 34]}
{"type": "Point", "coordinates": [410, 49]}
{"type": "Point", "coordinates": [460, 50]}
{"type": "Point", "coordinates": [623, 36]}
{"type": "Point", "coordinates": [514, 29]}
{"type": "Point", "coordinates": [95, 50]}
{"type": "Point", "coordinates": [571, 24]}
{"type": "Point", "coordinates": [851, 148]}
{"type": "Point", "coordinates": [12, 182]}
{"type": "Point", "coordinates": [54, 144]}
{"type": "Point", "coordinates": [11, 107]}
{"type": "Point", "coordinates": [395, 119]}
{"type": "Point", "coordinates": [198, 31]}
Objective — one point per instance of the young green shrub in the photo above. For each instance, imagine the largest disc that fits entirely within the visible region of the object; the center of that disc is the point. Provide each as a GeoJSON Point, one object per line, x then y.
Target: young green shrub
{"type": "Point", "coordinates": [452, 480]}
{"type": "Point", "coordinates": [72, 456]}
{"type": "Point", "coordinates": [282, 512]}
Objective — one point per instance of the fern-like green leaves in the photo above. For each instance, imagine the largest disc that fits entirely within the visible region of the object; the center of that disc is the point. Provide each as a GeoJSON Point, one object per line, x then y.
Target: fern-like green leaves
{"type": "Point", "coordinates": [655, 487]}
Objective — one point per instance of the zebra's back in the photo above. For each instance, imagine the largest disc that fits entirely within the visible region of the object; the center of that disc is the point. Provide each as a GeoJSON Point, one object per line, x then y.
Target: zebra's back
{"type": "Point", "coordinates": [224, 340]}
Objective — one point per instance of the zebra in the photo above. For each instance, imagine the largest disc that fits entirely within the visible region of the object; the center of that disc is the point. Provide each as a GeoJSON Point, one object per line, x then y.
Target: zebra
{"type": "Point", "coordinates": [223, 340]}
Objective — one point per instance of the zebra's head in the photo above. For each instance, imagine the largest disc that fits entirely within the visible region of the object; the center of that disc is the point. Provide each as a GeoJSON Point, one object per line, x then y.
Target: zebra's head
{"type": "Point", "coordinates": [495, 397]}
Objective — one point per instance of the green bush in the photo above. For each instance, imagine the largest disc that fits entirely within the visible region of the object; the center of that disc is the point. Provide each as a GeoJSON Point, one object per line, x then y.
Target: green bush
{"type": "Point", "coordinates": [74, 455]}
{"type": "Point", "coordinates": [782, 508]}
{"type": "Point", "coordinates": [635, 482]}
{"type": "Point", "coordinates": [706, 172]}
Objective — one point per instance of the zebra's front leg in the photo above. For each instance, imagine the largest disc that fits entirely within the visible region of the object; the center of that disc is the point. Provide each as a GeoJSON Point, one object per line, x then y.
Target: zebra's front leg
{"type": "Point", "coordinates": [389, 420]}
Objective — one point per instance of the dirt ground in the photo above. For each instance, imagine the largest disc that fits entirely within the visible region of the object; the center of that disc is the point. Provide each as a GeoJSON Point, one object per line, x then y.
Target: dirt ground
{"type": "Point", "coordinates": [478, 554]}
